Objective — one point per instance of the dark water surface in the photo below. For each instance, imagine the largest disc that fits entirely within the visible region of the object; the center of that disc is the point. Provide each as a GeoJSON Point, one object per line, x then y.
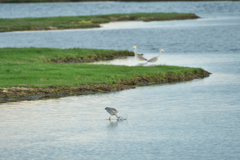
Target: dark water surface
{"type": "Point", "coordinates": [197, 119]}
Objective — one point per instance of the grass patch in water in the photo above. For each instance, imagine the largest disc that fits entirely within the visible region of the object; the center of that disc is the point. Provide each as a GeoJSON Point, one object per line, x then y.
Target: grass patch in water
{"type": "Point", "coordinates": [72, 22]}
{"type": "Point", "coordinates": [32, 67]}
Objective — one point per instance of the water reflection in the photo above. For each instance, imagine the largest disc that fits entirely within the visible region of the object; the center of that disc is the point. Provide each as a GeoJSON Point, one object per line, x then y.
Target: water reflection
{"type": "Point", "coordinates": [114, 123]}
{"type": "Point", "coordinates": [128, 61]}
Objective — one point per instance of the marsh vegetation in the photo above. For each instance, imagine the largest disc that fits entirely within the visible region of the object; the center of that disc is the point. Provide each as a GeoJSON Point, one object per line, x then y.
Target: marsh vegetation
{"type": "Point", "coordinates": [73, 22]}
{"type": "Point", "coordinates": [38, 71]}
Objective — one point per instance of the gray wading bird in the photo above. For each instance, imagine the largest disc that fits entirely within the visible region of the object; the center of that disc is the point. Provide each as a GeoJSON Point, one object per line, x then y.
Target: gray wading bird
{"type": "Point", "coordinates": [155, 59]}
{"type": "Point", "coordinates": [112, 111]}
{"type": "Point", "coordinates": [139, 57]}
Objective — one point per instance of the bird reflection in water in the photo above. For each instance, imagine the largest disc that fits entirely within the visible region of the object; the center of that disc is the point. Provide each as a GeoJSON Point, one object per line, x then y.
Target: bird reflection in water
{"type": "Point", "coordinates": [141, 64]}
{"type": "Point", "coordinates": [114, 123]}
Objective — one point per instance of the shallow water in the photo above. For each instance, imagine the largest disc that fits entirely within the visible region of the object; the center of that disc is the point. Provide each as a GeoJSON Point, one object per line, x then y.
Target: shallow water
{"type": "Point", "coordinates": [197, 119]}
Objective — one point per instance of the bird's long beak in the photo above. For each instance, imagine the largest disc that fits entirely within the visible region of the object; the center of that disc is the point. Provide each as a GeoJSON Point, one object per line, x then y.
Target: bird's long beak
{"type": "Point", "coordinates": [163, 50]}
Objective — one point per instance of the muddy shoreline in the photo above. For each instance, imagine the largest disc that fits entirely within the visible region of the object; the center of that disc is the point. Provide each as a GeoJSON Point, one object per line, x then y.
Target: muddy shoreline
{"type": "Point", "coordinates": [95, 58]}
{"type": "Point", "coordinates": [13, 94]}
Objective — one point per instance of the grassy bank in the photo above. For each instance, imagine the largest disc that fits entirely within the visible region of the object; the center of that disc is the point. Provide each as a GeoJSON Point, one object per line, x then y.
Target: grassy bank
{"type": "Point", "coordinates": [29, 72]}
{"type": "Point", "coordinates": [54, 23]}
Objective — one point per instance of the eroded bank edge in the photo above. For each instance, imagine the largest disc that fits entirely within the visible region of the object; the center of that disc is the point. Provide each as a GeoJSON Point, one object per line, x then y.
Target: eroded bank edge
{"type": "Point", "coordinates": [13, 94]}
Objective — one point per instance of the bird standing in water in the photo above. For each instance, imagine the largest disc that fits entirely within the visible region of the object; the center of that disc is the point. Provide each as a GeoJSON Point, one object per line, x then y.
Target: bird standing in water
{"type": "Point", "coordinates": [139, 57]}
{"type": "Point", "coordinates": [112, 111]}
{"type": "Point", "coordinates": [155, 59]}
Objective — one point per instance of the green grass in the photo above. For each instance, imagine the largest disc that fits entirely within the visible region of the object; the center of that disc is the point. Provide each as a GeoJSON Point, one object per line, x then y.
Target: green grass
{"type": "Point", "coordinates": [30, 67]}
{"type": "Point", "coordinates": [43, 55]}
{"type": "Point", "coordinates": [71, 22]}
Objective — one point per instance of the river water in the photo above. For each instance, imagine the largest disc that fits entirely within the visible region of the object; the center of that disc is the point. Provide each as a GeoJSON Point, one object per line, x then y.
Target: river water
{"type": "Point", "coordinates": [197, 119]}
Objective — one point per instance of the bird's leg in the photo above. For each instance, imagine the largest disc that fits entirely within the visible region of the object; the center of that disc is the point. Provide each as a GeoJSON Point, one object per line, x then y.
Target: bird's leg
{"type": "Point", "coordinates": [110, 117]}
{"type": "Point", "coordinates": [117, 116]}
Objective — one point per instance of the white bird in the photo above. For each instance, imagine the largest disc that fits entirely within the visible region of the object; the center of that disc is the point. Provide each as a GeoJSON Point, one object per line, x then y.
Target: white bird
{"type": "Point", "coordinates": [139, 57]}
{"type": "Point", "coordinates": [155, 59]}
